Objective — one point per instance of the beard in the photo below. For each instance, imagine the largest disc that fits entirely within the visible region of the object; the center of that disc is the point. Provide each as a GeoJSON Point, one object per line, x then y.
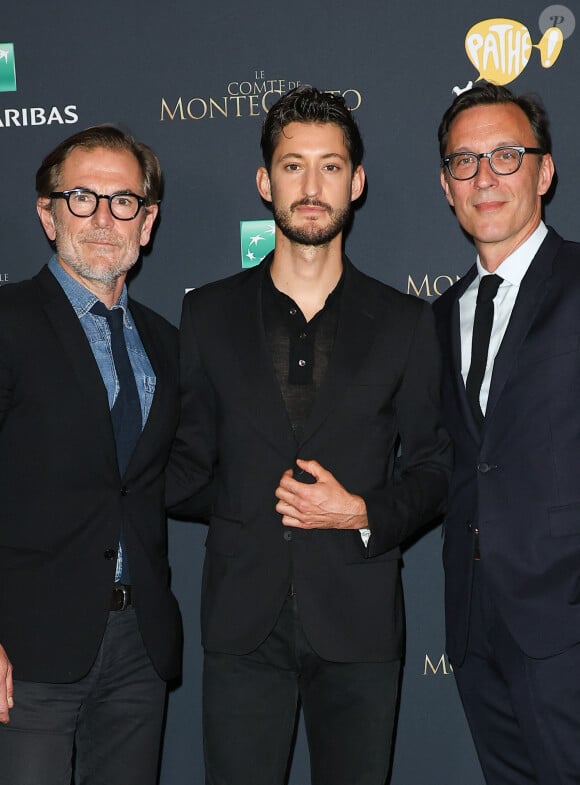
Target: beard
{"type": "Point", "coordinates": [107, 265]}
{"type": "Point", "coordinates": [311, 233]}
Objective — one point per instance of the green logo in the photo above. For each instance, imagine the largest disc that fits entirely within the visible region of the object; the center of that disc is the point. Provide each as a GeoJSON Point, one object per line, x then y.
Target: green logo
{"type": "Point", "coordinates": [7, 68]}
{"type": "Point", "coordinates": [257, 239]}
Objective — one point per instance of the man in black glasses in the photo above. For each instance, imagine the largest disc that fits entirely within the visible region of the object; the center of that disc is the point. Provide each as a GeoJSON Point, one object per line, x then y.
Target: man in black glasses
{"type": "Point", "coordinates": [511, 344]}
{"type": "Point", "coordinates": [90, 631]}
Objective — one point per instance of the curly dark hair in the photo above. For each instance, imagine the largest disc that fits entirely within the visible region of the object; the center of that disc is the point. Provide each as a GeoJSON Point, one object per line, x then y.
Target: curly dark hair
{"type": "Point", "coordinates": [307, 104]}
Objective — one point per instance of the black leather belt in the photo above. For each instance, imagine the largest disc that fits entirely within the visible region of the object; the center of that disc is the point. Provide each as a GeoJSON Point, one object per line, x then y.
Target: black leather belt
{"type": "Point", "coordinates": [121, 597]}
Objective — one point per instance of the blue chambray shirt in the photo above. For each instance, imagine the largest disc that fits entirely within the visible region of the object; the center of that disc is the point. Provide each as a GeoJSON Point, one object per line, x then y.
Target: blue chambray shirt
{"type": "Point", "coordinates": [99, 337]}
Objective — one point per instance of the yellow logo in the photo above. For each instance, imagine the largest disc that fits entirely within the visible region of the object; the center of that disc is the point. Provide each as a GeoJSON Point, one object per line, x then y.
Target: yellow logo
{"type": "Point", "coordinates": [500, 49]}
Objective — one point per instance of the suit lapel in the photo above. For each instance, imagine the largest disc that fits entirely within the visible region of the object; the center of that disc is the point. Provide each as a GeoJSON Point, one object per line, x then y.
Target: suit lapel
{"type": "Point", "coordinates": [533, 289]}
{"type": "Point", "coordinates": [455, 344]}
{"type": "Point", "coordinates": [251, 353]}
{"type": "Point", "coordinates": [154, 350]}
{"type": "Point", "coordinates": [73, 340]}
{"type": "Point", "coordinates": [355, 333]}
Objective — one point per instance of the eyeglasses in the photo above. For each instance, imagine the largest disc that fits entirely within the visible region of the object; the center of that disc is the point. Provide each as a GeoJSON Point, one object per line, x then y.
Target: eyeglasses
{"type": "Point", "coordinates": [503, 160]}
{"type": "Point", "coordinates": [83, 203]}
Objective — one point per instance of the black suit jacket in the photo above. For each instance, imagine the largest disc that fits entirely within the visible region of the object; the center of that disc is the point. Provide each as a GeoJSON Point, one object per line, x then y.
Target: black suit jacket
{"type": "Point", "coordinates": [382, 383]}
{"type": "Point", "coordinates": [61, 495]}
{"type": "Point", "coordinates": [520, 478]}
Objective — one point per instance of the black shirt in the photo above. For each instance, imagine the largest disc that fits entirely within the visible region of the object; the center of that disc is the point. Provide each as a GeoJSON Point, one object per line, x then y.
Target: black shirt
{"type": "Point", "coordinates": [300, 349]}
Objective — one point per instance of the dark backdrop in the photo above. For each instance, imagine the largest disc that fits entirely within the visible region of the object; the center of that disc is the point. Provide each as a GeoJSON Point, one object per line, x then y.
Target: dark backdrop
{"type": "Point", "coordinates": [192, 80]}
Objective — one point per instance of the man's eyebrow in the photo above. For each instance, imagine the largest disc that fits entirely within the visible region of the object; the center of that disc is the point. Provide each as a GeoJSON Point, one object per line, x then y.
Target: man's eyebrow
{"type": "Point", "coordinates": [324, 155]}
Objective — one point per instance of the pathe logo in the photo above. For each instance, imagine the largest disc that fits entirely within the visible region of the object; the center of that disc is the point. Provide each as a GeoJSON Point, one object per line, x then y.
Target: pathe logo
{"type": "Point", "coordinates": [500, 49]}
{"type": "Point", "coordinates": [257, 239]}
{"type": "Point", "coordinates": [7, 69]}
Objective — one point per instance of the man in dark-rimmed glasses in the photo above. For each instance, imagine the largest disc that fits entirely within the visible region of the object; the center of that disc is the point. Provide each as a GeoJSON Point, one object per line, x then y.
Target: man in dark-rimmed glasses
{"type": "Point", "coordinates": [88, 410]}
{"type": "Point", "coordinates": [510, 339]}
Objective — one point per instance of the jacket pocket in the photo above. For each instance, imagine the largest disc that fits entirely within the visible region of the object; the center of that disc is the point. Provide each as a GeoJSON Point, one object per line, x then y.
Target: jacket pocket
{"type": "Point", "coordinates": [565, 521]}
{"type": "Point", "coordinates": [541, 350]}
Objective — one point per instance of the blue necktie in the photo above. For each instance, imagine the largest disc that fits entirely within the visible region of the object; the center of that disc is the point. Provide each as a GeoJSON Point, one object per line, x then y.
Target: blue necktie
{"type": "Point", "coordinates": [126, 411]}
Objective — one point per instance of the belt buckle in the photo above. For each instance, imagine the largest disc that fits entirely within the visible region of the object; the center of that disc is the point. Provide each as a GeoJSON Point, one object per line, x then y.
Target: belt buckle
{"type": "Point", "coordinates": [124, 592]}
{"type": "Point", "coordinates": [126, 597]}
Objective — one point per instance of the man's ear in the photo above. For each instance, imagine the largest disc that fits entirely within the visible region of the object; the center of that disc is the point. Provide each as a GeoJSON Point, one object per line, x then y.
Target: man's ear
{"type": "Point", "coordinates": [446, 189]}
{"type": "Point", "coordinates": [147, 228]}
{"type": "Point", "coordinates": [358, 183]}
{"type": "Point", "coordinates": [263, 183]}
{"type": "Point", "coordinates": [44, 210]}
{"type": "Point", "coordinates": [546, 174]}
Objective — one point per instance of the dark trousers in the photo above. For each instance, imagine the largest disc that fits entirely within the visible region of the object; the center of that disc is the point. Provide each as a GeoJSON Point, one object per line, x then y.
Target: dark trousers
{"type": "Point", "coordinates": [524, 714]}
{"type": "Point", "coordinates": [112, 719]}
{"type": "Point", "coordinates": [250, 704]}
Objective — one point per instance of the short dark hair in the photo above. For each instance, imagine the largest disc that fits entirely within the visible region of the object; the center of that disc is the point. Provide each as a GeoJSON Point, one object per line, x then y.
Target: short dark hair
{"type": "Point", "coordinates": [307, 104]}
{"type": "Point", "coordinates": [488, 93]}
{"type": "Point", "coordinates": [111, 138]}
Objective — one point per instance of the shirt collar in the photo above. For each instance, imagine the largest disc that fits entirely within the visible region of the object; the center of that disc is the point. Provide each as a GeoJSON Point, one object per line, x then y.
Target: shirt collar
{"type": "Point", "coordinates": [81, 298]}
{"type": "Point", "coordinates": [275, 294]}
{"type": "Point", "coordinates": [515, 266]}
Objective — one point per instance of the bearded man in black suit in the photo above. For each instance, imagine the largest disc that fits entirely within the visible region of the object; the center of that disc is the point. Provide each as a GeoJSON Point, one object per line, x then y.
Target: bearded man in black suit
{"type": "Point", "coordinates": [300, 378]}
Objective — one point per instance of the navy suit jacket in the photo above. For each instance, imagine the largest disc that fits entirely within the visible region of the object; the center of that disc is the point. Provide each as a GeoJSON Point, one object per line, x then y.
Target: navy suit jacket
{"type": "Point", "coordinates": [382, 384]}
{"type": "Point", "coordinates": [518, 480]}
{"type": "Point", "coordinates": [62, 499]}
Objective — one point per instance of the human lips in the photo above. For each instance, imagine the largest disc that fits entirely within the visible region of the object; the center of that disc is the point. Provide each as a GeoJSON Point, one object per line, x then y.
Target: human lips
{"type": "Point", "coordinates": [100, 239]}
{"type": "Point", "coordinates": [311, 206]}
{"type": "Point", "coordinates": [489, 206]}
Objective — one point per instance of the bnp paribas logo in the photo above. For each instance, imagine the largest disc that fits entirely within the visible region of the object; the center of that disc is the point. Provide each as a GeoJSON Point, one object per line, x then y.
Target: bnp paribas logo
{"type": "Point", "coordinates": [7, 68]}
{"type": "Point", "coordinates": [257, 239]}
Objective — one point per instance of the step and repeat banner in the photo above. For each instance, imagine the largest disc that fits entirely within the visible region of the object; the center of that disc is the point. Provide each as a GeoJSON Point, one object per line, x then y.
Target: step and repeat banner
{"type": "Point", "coordinates": [194, 81]}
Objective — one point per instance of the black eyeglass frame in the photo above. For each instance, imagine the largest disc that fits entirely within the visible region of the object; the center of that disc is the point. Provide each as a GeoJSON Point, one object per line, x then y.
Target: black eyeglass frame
{"type": "Point", "coordinates": [66, 195]}
{"type": "Point", "coordinates": [446, 161]}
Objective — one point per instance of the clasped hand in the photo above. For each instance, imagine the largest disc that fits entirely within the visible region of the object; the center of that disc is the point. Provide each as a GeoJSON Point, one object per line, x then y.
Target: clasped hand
{"type": "Point", "coordinates": [324, 504]}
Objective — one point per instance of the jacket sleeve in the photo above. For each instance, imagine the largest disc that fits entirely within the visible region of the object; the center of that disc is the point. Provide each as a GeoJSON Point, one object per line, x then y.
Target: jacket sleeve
{"type": "Point", "coordinates": [190, 468]}
{"type": "Point", "coordinates": [417, 493]}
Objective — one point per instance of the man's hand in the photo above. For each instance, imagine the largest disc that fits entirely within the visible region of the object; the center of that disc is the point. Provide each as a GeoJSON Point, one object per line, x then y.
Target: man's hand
{"type": "Point", "coordinates": [324, 504]}
{"type": "Point", "coordinates": [6, 686]}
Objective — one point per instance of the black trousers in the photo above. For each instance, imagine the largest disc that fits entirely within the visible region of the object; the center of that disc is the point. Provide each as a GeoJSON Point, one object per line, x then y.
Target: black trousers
{"type": "Point", "coordinates": [112, 718]}
{"type": "Point", "coordinates": [524, 713]}
{"type": "Point", "coordinates": [250, 704]}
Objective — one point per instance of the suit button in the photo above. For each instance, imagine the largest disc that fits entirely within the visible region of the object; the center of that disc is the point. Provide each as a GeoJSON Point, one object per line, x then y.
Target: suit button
{"type": "Point", "coordinates": [124, 490]}
{"type": "Point", "coordinates": [110, 554]}
{"type": "Point", "coordinates": [287, 536]}
{"type": "Point", "coordinates": [484, 468]}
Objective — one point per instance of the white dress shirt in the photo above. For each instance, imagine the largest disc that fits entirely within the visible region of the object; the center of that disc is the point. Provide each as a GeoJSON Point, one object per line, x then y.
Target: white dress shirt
{"type": "Point", "coordinates": [512, 270]}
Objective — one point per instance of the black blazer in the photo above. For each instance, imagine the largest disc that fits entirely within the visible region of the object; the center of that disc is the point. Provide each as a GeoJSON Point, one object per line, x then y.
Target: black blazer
{"type": "Point", "coordinates": [382, 383]}
{"type": "Point", "coordinates": [520, 478]}
{"type": "Point", "coordinates": [61, 495]}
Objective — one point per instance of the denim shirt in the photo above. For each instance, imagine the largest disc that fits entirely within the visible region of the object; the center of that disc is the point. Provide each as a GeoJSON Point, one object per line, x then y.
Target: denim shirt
{"type": "Point", "coordinates": [99, 337]}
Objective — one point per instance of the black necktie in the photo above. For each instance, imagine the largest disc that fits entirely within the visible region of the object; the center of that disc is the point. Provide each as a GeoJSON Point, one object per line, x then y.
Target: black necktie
{"type": "Point", "coordinates": [482, 325]}
{"type": "Point", "coordinates": [126, 411]}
